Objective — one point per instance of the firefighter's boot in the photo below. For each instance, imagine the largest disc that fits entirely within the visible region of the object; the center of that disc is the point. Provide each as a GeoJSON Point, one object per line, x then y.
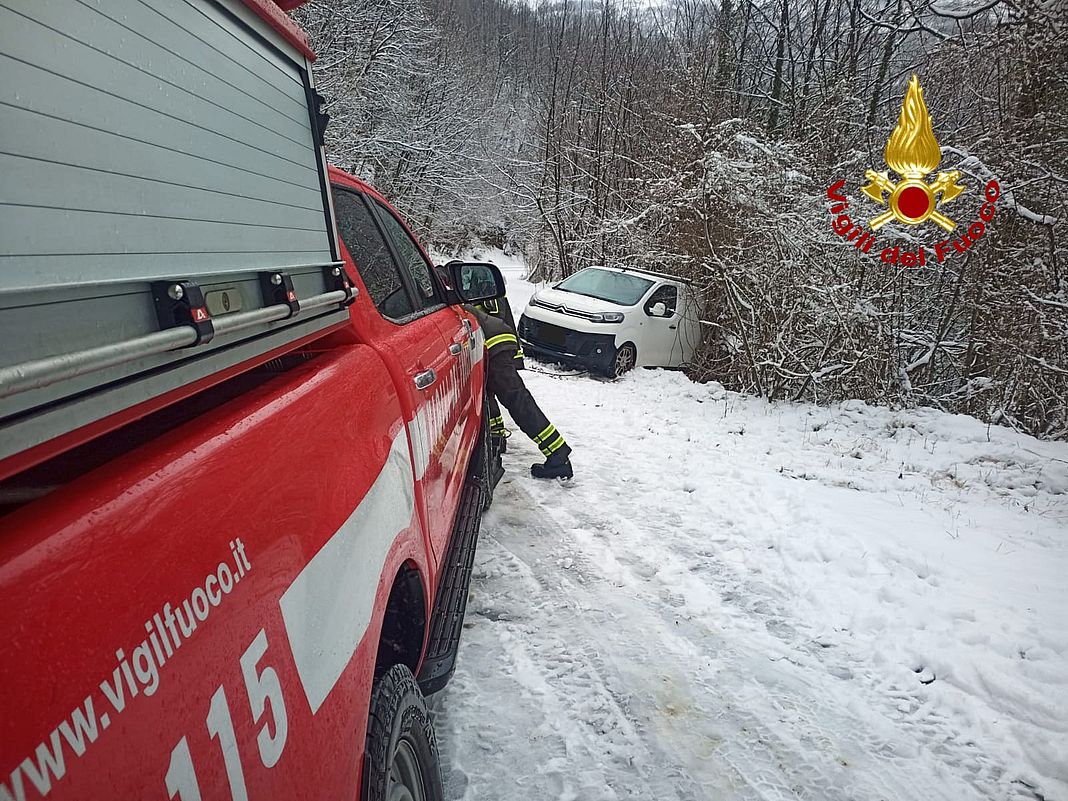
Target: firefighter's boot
{"type": "Point", "coordinates": [558, 465]}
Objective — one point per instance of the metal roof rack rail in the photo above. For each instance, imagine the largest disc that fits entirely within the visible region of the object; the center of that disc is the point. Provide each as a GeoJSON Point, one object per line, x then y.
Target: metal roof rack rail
{"type": "Point", "coordinates": [199, 328]}
{"type": "Point", "coordinates": [678, 278]}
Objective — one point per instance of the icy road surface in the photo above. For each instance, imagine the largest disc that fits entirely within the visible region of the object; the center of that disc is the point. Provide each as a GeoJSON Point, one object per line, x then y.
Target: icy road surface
{"type": "Point", "coordinates": [738, 600]}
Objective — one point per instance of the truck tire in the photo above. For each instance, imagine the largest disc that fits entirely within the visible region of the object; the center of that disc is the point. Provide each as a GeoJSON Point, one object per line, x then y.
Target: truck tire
{"type": "Point", "coordinates": [401, 754]}
{"type": "Point", "coordinates": [486, 465]}
{"type": "Point", "coordinates": [486, 457]}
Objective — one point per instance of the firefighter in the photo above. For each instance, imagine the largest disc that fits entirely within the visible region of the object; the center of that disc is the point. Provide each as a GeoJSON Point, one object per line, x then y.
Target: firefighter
{"type": "Point", "coordinates": [500, 309]}
{"type": "Point", "coordinates": [507, 387]}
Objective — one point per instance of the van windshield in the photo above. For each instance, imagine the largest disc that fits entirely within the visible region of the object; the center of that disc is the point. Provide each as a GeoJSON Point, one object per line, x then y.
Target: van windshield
{"type": "Point", "coordinates": [620, 288]}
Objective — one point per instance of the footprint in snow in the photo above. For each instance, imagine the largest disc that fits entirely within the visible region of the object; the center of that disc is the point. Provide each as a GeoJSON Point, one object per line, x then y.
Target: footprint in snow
{"type": "Point", "coordinates": [925, 674]}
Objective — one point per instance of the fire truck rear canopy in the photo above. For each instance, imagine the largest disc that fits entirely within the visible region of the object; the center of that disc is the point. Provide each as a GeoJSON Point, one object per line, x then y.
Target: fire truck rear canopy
{"type": "Point", "coordinates": [165, 207]}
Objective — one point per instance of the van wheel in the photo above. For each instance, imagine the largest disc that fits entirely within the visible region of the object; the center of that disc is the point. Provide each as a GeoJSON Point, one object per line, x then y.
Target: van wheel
{"type": "Point", "coordinates": [400, 761]}
{"type": "Point", "coordinates": [626, 358]}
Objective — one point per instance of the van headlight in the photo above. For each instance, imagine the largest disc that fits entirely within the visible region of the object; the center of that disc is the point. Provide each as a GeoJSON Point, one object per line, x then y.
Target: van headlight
{"type": "Point", "coordinates": [607, 317]}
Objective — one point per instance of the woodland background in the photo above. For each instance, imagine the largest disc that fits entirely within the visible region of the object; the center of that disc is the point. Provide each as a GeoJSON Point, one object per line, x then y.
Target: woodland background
{"type": "Point", "coordinates": [699, 138]}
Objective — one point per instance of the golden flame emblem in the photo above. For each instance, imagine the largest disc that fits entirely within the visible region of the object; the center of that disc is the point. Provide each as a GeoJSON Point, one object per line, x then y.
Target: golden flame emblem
{"type": "Point", "coordinates": [912, 152]}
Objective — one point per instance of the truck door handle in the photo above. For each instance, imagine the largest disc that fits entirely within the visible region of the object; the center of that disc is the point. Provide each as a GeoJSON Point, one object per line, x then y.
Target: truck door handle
{"type": "Point", "coordinates": [672, 327]}
{"type": "Point", "coordinates": [425, 379]}
{"type": "Point", "coordinates": [455, 348]}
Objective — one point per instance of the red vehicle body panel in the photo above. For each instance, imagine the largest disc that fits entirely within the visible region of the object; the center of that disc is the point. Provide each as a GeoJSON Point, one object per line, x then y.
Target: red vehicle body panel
{"type": "Point", "coordinates": [107, 694]}
{"type": "Point", "coordinates": [85, 569]}
{"type": "Point", "coordinates": [196, 614]}
{"type": "Point", "coordinates": [454, 412]}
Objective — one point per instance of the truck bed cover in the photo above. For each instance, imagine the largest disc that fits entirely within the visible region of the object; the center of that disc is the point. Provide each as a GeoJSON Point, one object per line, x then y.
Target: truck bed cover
{"type": "Point", "coordinates": [146, 145]}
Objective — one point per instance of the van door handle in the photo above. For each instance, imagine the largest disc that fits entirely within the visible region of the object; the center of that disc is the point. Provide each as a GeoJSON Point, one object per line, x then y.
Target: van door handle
{"type": "Point", "coordinates": [672, 327]}
{"type": "Point", "coordinates": [425, 379]}
{"type": "Point", "coordinates": [455, 348]}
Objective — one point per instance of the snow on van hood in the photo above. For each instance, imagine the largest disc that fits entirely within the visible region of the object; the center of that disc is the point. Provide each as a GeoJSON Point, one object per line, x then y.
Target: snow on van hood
{"type": "Point", "coordinates": [574, 301]}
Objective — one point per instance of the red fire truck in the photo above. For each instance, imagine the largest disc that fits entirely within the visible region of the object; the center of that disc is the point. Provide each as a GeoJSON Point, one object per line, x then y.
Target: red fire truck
{"type": "Point", "coordinates": [243, 455]}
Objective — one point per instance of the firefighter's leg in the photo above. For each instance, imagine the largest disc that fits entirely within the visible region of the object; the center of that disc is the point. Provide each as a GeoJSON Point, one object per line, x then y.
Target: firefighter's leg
{"type": "Point", "coordinates": [496, 420]}
{"type": "Point", "coordinates": [509, 389]}
{"type": "Point", "coordinates": [496, 423]}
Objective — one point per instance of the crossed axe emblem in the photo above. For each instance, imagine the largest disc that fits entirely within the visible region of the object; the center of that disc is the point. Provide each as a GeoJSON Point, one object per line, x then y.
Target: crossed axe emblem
{"type": "Point", "coordinates": [912, 201]}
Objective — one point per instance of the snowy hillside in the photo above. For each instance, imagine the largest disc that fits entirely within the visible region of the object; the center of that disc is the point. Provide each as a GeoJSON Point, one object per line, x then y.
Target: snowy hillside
{"type": "Point", "coordinates": [739, 600]}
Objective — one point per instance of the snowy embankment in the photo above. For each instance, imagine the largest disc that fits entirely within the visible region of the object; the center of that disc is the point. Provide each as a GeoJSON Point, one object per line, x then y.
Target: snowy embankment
{"type": "Point", "coordinates": [743, 600]}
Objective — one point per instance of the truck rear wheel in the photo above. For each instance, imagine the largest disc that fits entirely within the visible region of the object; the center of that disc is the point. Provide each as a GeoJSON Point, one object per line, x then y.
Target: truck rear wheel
{"type": "Point", "coordinates": [401, 755]}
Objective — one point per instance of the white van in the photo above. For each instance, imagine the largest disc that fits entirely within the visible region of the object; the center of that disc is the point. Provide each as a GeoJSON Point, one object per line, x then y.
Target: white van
{"type": "Point", "coordinates": [609, 320]}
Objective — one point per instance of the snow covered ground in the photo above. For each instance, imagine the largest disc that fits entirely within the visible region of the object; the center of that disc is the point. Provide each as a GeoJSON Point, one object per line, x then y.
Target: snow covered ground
{"type": "Point", "coordinates": [742, 600]}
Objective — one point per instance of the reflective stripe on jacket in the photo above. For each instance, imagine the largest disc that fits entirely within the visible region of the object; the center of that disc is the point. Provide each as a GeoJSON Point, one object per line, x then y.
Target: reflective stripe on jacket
{"type": "Point", "coordinates": [499, 309]}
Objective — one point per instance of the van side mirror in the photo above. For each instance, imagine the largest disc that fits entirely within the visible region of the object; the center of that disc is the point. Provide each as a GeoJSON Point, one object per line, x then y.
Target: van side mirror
{"type": "Point", "coordinates": [474, 282]}
{"type": "Point", "coordinates": [658, 310]}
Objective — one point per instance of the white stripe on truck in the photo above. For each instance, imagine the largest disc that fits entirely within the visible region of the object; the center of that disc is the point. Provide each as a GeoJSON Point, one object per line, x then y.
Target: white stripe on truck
{"type": "Point", "coordinates": [477, 345]}
{"type": "Point", "coordinates": [420, 436]}
{"type": "Point", "coordinates": [328, 607]}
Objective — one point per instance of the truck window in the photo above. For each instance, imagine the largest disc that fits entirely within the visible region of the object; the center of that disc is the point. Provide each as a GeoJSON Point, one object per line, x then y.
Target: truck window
{"type": "Point", "coordinates": [369, 251]}
{"type": "Point", "coordinates": [411, 258]}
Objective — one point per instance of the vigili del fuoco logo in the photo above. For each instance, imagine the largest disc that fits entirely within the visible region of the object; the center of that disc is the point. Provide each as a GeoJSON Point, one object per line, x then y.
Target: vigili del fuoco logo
{"type": "Point", "coordinates": [912, 152]}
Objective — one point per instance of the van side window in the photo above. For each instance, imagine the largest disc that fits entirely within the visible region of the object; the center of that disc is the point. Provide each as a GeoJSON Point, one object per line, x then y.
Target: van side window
{"type": "Point", "coordinates": [411, 258]}
{"type": "Point", "coordinates": [668, 294]}
{"type": "Point", "coordinates": [358, 230]}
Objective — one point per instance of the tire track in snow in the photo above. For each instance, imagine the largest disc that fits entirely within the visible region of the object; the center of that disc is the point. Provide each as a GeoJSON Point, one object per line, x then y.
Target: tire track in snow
{"type": "Point", "coordinates": [642, 702]}
{"type": "Point", "coordinates": [560, 727]}
{"type": "Point", "coordinates": [907, 723]}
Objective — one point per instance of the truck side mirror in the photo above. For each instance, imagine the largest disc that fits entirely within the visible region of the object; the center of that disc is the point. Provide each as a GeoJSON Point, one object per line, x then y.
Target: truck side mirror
{"type": "Point", "coordinates": [658, 309]}
{"type": "Point", "coordinates": [474, 282]}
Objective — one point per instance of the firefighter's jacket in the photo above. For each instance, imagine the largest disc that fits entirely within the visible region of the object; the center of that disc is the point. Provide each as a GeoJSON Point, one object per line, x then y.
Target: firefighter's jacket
{"type": "Point", "coordinates": [498, 309]}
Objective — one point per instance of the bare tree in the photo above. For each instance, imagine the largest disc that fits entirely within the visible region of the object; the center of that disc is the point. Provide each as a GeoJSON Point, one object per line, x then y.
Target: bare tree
{"type": "Point", "coordinates": [700, 136]}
